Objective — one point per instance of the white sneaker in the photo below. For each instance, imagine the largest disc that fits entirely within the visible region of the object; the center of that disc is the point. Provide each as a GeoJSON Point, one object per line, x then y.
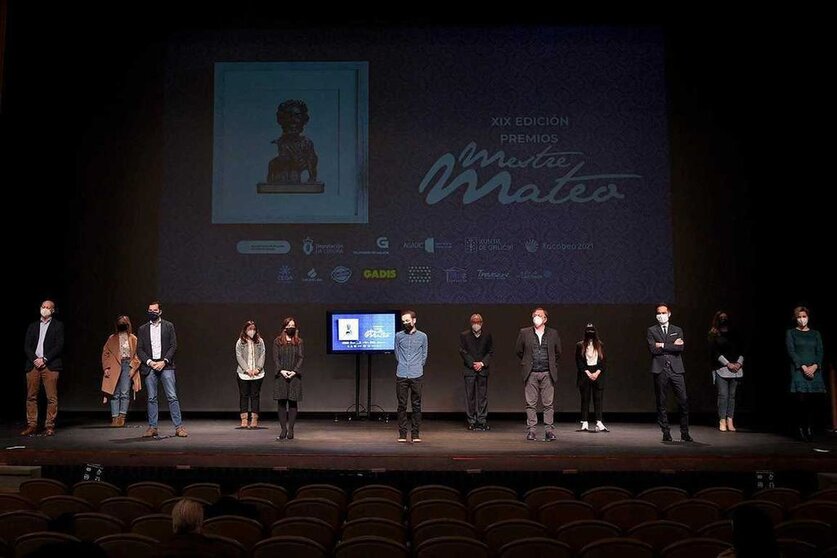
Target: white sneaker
{"type": "Point", "coordinates": [584, 426]}
{"type": "Point", "coordinates": [600, 427]}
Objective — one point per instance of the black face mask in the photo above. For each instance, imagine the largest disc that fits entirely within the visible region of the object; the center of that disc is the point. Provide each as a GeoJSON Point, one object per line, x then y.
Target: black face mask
{"type": "Point", "coordinates": [408, 327]}
{"type": "Point", "coordinates": [291, 331]}
{"type": "Point", "coordinates": [723, 322]}
{"type": "Point", "coordinates": [122, 327]}
{"type": "Point", "coordinates": [153, 316]}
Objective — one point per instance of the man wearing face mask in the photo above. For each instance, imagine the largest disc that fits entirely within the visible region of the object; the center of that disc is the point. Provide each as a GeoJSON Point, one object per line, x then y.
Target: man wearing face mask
{"type": "Point", "coordinates": [539, 349]}
{"type": "Point", "coordinates": [411, 355]}
{"type": "Point", "coordinates": [665, 341]}
{"type": "Point", "coordinates": [157, 343]}
{"type": "Point", "coordinates": [476, 347]}
{"type": "Point", "coordinates": [43, 345]}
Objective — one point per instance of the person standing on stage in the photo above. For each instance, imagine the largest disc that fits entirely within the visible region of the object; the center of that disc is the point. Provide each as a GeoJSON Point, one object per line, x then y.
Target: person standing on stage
{"type": "Point", "coordinates": [156, 346]}
{"type": "Point", "coordinates": [287, 387]}
{"type": "Point", "coordinates": [727, 367]}
{"type": "Point", "coordinates": [411, 355]}
{"type": "Point", "coordinates": [44, 347]}
{"type": "Point", "coordinates": [250, 356]}
{"type": "Point", "coordinates": [590, 364]}
{"type": "Point", "coordinates": [477, 348]}
{"type": "Point", "coordinates": [665, 342]}
{"type": "Point", "coordinates": [120, 370]}
{"type": "Point", "coordinates": [807, 386]}
{"type": "Point", "coordinates": [539, 349]}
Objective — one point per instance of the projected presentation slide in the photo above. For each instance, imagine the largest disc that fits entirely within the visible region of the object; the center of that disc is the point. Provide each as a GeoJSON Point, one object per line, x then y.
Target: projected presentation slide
{"type": "Point", "coordinates": [434, 165]}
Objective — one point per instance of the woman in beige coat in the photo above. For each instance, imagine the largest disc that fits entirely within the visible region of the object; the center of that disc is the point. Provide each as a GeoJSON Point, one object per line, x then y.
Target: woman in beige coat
{"type": "Point", "coordinates": [120, 367]}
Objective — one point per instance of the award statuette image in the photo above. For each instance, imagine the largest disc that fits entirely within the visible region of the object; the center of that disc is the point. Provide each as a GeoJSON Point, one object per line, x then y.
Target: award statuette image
{"type": "Point", "coordinates": [297, 155]}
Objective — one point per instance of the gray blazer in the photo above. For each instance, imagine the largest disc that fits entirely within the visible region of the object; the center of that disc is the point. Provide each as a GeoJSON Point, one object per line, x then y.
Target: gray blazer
{"type": "Point", "coordinates": [524, 347]}
{"type": "Point", "coordinates": [668, 355]}
{"type": "Point", "coordinates": [241, 357]}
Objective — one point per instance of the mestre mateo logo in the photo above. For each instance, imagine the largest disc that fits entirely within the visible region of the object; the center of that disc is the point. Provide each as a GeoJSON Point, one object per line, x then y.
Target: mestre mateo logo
{"type": "Point", "coordinates": [448, 174]}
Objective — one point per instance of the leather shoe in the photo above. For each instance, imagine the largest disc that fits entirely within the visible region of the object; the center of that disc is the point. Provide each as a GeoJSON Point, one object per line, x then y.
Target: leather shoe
{"type": "Point", "coordinates": [29, 431]}
{"type": "Point", "coordinates": [684, 437]}
{"type": "Point", "coordinates": [530, 436]}
{"type": "Point", "coordinates": [472, 426]}
{"type": "Point", "coordinates": [150, 433]}
{"type": "Point", "coordinates": [181, 433]}
{"type": "Point", "coordinates": [550, 436]}
{"type": "Point", "coordinates": [49, 432]}
{"type": "Point", "coordinates": [666, 436]}
{"type": "Point", "coordinates": [484, 427]}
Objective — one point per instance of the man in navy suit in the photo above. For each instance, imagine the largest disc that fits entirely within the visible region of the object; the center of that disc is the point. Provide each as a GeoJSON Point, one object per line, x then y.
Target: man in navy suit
{"type": "Point", "coordinates": [665, 341]}
{"type": "Point", "coordinates": [539, 348]}
{"type": "Point", "coordinates": [156, 345]}
{"type": "Point", "coordinates": [44, 345]}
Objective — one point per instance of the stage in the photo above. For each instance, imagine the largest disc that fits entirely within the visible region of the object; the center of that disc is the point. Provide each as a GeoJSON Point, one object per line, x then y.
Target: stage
{"type": "Point", "coordinates": [371, 446]}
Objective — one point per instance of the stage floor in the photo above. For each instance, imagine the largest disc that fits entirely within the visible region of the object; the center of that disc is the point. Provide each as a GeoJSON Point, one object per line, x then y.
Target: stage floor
{"type": "Point", "coordinates": [322, 444]}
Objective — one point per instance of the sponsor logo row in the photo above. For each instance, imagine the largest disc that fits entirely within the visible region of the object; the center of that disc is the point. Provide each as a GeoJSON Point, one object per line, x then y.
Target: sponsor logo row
{"type": "Point", "coordinates": [415, 274]}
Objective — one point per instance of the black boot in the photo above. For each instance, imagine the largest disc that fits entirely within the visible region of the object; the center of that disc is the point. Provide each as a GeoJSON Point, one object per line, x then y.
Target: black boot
{"type": "Point", "coordinates": [283, 422]}
{"type": "Point", "coordinates": [291, 422]}
{"type": "Point", "coordinates": [801, 435]}
{"type": "Point", "coordinates": [809, 433]}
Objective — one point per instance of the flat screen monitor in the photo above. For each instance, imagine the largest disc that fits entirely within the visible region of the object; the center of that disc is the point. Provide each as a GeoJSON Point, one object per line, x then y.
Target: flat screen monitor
{"type": "Point", "coordinates": [362, 332]}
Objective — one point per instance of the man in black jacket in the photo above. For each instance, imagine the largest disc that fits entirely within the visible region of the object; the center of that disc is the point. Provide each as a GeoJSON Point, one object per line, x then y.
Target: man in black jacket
{"type": "Point", "coordinates": [665, 342]}
{"type": "Point", "coordinates": [476, 347]}
{"type": "Point", "coordinates": [43, 345]}
{"type": "Point", "coordinates": [539, 348]}
{"type": "Point", "coordinates": [156, 345]}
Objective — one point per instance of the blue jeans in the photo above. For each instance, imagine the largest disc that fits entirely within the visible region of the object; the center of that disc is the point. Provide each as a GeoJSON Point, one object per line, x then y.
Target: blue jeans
{"type": "Point", "coordinates": [121, 397]}
{"type": "Point", "coordinates": [170, 388]}
{"type": "Point", "coordinates": [726, 396]}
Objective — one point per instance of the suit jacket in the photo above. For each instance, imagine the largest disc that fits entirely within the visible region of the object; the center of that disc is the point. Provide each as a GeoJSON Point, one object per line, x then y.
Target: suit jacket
{"type": "Point", "coordinates": [168, 345]}
{"type": "Point", "coordinates": [53, 345]}
{"type": "Point", "coordinates": [524, 347]}
{"type": "Point", "coordinates": [112, 363]}
{"type": "Point", "coordinates": [467, 340]}
{"type": "Point", "coordinates": [668, 355]}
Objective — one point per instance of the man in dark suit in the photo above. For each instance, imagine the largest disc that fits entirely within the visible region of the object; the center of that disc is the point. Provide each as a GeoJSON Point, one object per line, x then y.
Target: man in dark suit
{"type": "Point", "coordinates": [539, 349]}
{"type": "Point", "coordinates": [476, 347]}
{"type": "Point", "coordinates": [43, 345]}
{"type": "Point", "coordinates": [156, 345]}
{"type": "Point", "coordinates": [665, 341]}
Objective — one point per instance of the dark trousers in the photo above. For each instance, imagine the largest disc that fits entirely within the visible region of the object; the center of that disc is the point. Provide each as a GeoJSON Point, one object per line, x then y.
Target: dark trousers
{"type": "Point", "coordinates": [662, 381]}
{"type": "Point", "coordinates": [588, 388]}
{"type": "Point", "coordinates": [539, 384]}
{"type": "Point", "coordinates": [249, 394]}
{"type": "Point", "coordinates": [404, 388]}
{"type": "Point", "coordinates": [476, 398]}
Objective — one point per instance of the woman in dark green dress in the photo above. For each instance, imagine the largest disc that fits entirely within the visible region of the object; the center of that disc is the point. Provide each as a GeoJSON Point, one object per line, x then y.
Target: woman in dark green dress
{"type": "Point", "coordinates": [287, 387]}
{"type": "Point", "coordinates": [807, 385]}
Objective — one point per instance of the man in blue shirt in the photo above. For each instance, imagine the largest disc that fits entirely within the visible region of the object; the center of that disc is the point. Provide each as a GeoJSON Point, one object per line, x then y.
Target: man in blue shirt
{"type": "Point", "coordinates": [411, 354]}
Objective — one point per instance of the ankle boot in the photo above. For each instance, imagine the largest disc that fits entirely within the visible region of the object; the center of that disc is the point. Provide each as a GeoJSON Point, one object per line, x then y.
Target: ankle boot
{"type": "Point", "coordinates": [254, 420]}
{"type": "Point", "coordinates": [722, 425]}
{"type": "Point", "coordinates": [114, 422]}
{"type": "Point", "coordinates": [243, 420]}
{"type": "Point", "coordinates": [283, 423]}
{"type": "Point", "coordinates": [291, 422]}
{"type": "Point", "coordinates": [730, 425]}
{"type": "Point", "coordinates": [121, 418]}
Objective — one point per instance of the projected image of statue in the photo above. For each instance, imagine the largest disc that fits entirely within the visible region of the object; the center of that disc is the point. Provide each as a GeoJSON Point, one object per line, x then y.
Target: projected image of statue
{"type": "Point", "coordinates": [294, 169]}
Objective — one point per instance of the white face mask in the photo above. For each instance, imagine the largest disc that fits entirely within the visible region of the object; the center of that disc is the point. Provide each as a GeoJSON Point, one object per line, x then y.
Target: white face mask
{"type": "Point", "coordinates": [662, 318]}
{"type": "Point", "coordinates": [476, 328]}
{"type": "Point", "coordinates": [538, 321]}
{"type": "Point", "coordinates": [801, 321]}
{"type": "Point", "coordinates": [251, 333]}
{"type": "Point", "coordinates": [46, 312]}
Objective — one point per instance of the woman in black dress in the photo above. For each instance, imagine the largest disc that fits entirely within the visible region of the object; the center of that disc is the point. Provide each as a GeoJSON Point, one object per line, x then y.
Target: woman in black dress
{"type": "Point", "coordinates": [287, 388]}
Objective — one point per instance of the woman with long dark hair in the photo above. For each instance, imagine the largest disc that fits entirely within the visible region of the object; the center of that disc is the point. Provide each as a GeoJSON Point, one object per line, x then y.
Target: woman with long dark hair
{"type": "Point", "coordinates": [590, 363]}
{"type": "Point", "coordinates": [727, 367]}
{"type": "Point", "coordinates": [250, 355]}
{"type": "Point", "coordinates": [287, 388]}
{"type": "Point", "coordinates": [120, 369]}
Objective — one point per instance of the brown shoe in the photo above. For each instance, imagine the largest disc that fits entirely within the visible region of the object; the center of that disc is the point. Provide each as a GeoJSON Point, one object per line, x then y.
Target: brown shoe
{"type": "Point", "coordinates": [29, 431]}
{"type": "Point", "coordinates": [50, 431]}
{"type": "Point", "coordinates": [114, 422]}
{"type": "Point", "coordinates": [150, 433]}
{"type": "Point", "coordinates": [181, 433]}
{"type": "Point", "coordinates": [120, 420]}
